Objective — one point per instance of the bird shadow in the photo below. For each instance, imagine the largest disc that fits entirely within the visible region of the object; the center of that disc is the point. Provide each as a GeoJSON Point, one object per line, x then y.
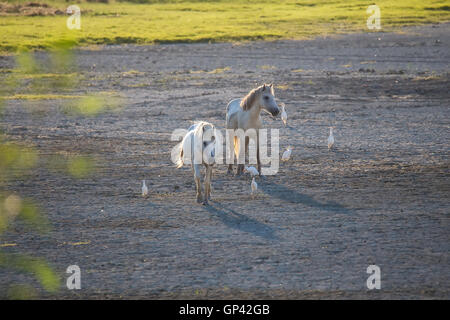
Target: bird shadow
{"type": "Point", "coordinates": [282, 192]}
{"type": "Point", "coordinates": [238, 221]}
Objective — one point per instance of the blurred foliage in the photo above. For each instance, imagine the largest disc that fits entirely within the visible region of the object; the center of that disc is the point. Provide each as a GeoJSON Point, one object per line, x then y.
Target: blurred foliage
{"type": "Point", "coordinates": [26, 63]}
{"type": "Point", "coordinates": [89, 106]}
{"type": "Point", "coordinates": [39, 75]}
{"type": "Point", "coordinates": [38, 267]}
{"type": "Point", "coordinates": [92, 105]}
{"type": "Point", "coordinates": [80, 167]}
{"type": "Point", "coordinates": [34, 218]}
{"type": "Point", "coordinates": [77, 166]}
{"type": "Point", "coordinates": [15, 209]}
{"type": "Point", "coordinates": [15, 160]}
{"type": "Point", "coordinates": [21, 292]}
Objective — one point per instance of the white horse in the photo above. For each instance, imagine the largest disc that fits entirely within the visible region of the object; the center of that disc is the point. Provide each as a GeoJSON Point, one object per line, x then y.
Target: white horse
{"type": "Point", "coordinates": [245, 114]}
{"type": "Point", "coordinates": [200, 151]}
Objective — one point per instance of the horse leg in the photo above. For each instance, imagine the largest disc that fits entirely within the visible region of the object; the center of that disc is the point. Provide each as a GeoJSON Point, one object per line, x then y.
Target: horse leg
{"type": "Point", "coordinates": [237, 153]}
{"type": "Point", "coordinates": [197, 177]}
{"type": "Point", "coordinates": [258, 160]}
{"type": "Point", "coordinates": [246, 151]}
{"type": "Point", "coordinates": [207, 184]}
{"type": "Point", "coordinates": [230, 159]}
{"type": "Point", "coordinates": [241, 167]}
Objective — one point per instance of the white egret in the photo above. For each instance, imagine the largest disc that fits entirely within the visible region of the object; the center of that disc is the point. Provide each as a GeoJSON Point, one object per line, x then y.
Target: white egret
{"type": "Point", "coordinates": [252, 170]}
{"type": "Point", "coordinates": [144, 189]}
{"type": "Point", "coordinates": [330, 139]}
{"type": "Point", "coordinates": [254, 186]}
{"type": "Point", "coordinates": [287, 154]}
{"type": "Point", "coordinates": [283, 113]}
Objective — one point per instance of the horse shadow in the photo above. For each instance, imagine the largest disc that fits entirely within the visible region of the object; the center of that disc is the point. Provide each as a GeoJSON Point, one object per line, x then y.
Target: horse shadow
{"type": "Point", "coordinates": [235, 220]}
{"type": "Point", "coordinates": [292, 196]}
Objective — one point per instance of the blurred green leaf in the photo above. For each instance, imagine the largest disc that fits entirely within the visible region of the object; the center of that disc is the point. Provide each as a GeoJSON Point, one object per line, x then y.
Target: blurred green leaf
{"type": "Point", "coordinates": [61, 55]}
{"type": "Point", "coordinates": [80, 166]}
{"type": "Point", "coordinates": [14, 207]}
{"type": "Point", "coordinates": [15, 160]}
{"type": "Point", "coordinates": [38, 267]}
{"type": "Point", "coordinates": [8, 84]}
{"type": "Point", "coordinates": [3, 221]}
{"type": "Point", "coordinates": [21, 292]}
{"type": "Point", "coordinates": [33, 217]}
{"type": "Point", "coordinates": [93, 105]}
{"type": "Point", "coordinates": [56, 163]}
{"type": "Point", "coordinates": [64, 44]}
{"type": "Point", "coordinates": [26, 63]}
{"type": "Point", "coordinates": [90, 105]}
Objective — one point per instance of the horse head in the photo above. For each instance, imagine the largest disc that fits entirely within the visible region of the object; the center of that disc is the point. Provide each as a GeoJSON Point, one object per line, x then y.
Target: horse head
{"type": "Point", "coordinates": [267, 100]}
{"type": "Point", "coordinates": [209, 142]}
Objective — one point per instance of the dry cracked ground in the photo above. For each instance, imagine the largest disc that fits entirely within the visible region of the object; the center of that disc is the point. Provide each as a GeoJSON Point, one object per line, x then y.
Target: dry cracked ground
{"type": "Point", "coordinates": [380, 197]}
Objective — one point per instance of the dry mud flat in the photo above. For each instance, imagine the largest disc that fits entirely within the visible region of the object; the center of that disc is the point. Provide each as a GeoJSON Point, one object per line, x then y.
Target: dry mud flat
{"type": "Point", "coordinates": [381, 197]}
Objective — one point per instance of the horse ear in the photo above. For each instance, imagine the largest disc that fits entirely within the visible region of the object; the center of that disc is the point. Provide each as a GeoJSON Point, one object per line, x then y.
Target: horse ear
{"type": "Point", "coordinates": [264, 87]}
{"type": "Point", "coordinates": [271, 85]}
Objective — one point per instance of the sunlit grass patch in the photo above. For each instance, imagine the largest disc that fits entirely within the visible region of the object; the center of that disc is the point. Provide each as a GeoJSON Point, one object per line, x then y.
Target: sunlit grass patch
{"type": "Point", "coordinates": [46, 75]}
{"type": "Point", "coordinates": [427, 78]}
{"type": "Point", "coordinates": [283, 87]}
{"type": "Point", "coordinates": [368, 62]}
{"type": "Point", "coordinates": [79, 243]}
{"type": "Point", "coordinates": [267, 67]}
{"type": "Point", "coordinates": [40, 97]}
{"type": "Point", "coordinates": [215, 71]}
{"type": "Point", "coordinates": [139, 85]}
{"type": "Point", "coordinates": [220, 70]}
{"type": "Point", "coordinates": [132, 73]}
{"type": "Point", "coordinates": [211, 21]}
{"type": "Point", "coordinates": [4, 245]}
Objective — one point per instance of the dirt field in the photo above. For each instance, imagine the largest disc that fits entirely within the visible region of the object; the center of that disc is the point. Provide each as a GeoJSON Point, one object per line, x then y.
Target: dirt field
{"type": "Point", "coordinates": [381, 197]}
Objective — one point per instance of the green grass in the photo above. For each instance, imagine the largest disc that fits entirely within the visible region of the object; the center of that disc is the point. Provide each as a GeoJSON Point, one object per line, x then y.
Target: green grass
{"type": "Point", "coordinates": [39, 97]}
{"type": "Point", "coordinates": [203, 21]}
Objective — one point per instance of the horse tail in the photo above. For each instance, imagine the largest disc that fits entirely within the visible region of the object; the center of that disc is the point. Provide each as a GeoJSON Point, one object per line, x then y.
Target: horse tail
{"type": "Point", "coordinates": [236, 147]}
{"type": "Point", "coordinates": [180, 158]}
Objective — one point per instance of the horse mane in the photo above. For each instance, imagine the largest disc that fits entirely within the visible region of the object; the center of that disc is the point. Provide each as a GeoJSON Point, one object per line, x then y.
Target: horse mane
{"type": "Point", "coordinates": [249, 99]}
{"type": "Point", "coordinates": [198, 132]}
{"type": "Point", "coordinates": [201, 125]}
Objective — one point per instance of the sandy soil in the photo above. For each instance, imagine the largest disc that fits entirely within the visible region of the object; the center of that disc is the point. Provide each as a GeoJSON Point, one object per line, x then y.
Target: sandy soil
{"type": "Point", "coordinates": [381, 197]}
